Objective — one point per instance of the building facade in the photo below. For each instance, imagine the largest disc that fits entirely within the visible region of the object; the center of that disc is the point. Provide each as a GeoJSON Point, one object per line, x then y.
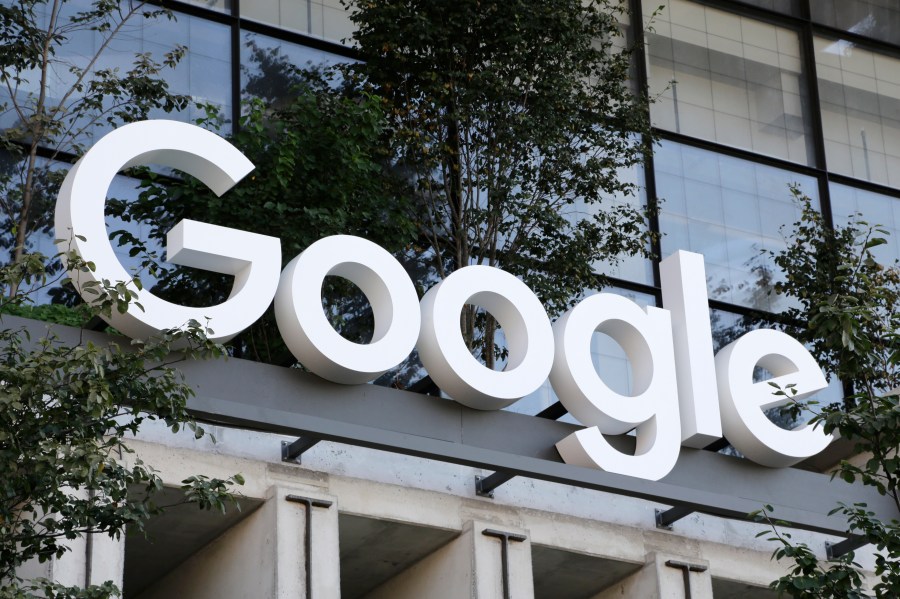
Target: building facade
{"type": "Point", "coordinates": [753, 97]}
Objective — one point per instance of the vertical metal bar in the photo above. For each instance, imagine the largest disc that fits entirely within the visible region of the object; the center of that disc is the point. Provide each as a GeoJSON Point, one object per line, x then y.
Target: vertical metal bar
{"type": "Point", "coordinates": [686, 570]}
{"type": "Point", "coordinates": [309, 503]}
{"type": "Point", "coordinates": [505, 538]}
{"type": "Point", "coordinates": [865, 145]}
{"type": "Point", "coordinates": [235, 65]}
{"type": "Point", "coordinates": [675, 105]}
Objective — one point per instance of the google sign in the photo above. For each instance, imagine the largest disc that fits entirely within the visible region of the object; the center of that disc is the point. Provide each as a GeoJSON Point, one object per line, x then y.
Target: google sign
{"type": "Point", "coordinates": [683, 393]}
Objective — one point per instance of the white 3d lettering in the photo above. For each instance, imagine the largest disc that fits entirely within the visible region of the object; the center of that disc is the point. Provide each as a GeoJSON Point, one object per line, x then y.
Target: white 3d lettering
{"type": "Point", "coordinates": [683, 394]}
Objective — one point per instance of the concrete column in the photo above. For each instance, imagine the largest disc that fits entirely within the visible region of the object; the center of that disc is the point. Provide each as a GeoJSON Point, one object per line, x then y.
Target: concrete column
{"type": "Point", "coordinates": [91, 559]}
{"type": "Point", "coordinates": [290, 552]}
{"type": "Point", "coordinates": [468, 567]}
{"type": "Point", "coordinates": [657, 580]}
{"type": "Point", "coordinates": [263, 556]}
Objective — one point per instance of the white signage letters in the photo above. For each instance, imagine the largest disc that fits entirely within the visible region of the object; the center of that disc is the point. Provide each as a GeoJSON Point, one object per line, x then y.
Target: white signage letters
{"type": "Point", "coordinates": [683, 279]}
{"type": "Point", "coordinates": [679, 388]}
{"type": "Point", "coordinates": [743, 401]}
{"type": "Point", "coordinates": [646, 338]}
{"type": "Point", "coordinates": [309, 335]}
{"type": "Point", "coordinates": [254, 260]}
{"type": "Point", "coordinates": [523, 320]}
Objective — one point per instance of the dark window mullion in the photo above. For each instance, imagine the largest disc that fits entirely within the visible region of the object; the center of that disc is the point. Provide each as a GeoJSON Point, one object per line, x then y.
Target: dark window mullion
{"type": "Point", "coordinates": [643, 83]}
{"type": "Point", "coordinates": [236, 65]}
{"type": "Point", "coordinates": [815, 114]}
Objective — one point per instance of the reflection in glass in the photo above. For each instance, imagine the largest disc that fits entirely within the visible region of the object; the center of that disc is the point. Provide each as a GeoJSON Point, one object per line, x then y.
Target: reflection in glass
{"type": "Point", "coordinates": [876, 209]}
{"type": "Point", "coordinates": [268, 66]}
{"type": "Point", "coordinates": [860, 99]}
{"type": "Point", "coordinates": [878, 19]}
{"type": "Point", "coordinates": [631, 268]}
{"type": "Point", "coordinates": [731, 211]}
{"type": "Point", "coordinates": [728, 78]}
{"type": "Point", "coordinates": [609, 359]}
{"type": "Point", "coordinates": [204, 73]}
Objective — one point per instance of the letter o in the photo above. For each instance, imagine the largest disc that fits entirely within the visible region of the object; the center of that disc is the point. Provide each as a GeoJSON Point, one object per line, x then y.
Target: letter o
{"type": "Point", "coordinates": [524, 322]}
{"type": "Point", "coordinates": [309, 335]}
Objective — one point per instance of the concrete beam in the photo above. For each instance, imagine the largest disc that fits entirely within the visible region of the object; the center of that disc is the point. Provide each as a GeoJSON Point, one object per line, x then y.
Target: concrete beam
{"type": "Point", "coordinates": [284, 400]}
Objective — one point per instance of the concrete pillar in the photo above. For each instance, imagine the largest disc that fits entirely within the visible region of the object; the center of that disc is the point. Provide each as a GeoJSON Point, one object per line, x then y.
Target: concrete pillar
{"type": "Point", "coordinates": [325, 556]}
{"type": "Point", "coordinates": [468, 567]}
{"type": "Point", "coordinates": [263, 556]}
{"type": "Point", "coordinates": [91, 559]}
{"type": "Point", "coordinates": [657, 580]}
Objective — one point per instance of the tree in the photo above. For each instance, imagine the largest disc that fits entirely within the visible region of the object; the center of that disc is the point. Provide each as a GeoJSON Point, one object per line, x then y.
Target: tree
{"type": "Point", "coordinates": [847, 304]}
{"type": "Point", "coordinates": [66, 412]}
{"type": "Point", "coordinates": [321, 169]}
{"type": "Point", "coordinates": [52, 103]}
{"type": "Point", "coordinates": [514, 121]}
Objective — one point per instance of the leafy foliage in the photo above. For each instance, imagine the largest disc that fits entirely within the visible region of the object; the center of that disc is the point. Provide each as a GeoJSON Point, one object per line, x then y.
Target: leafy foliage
{"type": "Point", "coordinates": [66, 411]}
{"type": "Point", "coordinates": [321, 169]}
{"type": "Point", "coordinates": [55, 102]}
{"type": "Point", "coordinates": [514, 120]}
{"type": "Point", "coordinates": [848, 309]}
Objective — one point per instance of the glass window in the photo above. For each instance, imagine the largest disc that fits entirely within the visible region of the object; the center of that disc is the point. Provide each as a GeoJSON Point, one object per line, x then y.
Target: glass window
{"type": "Point", "coordinates": [878, 19]}
{"type": "Point", "coordinates": [860, 97]}
{"type": "Point", "coordinates": [631, 268]}
{"type": "Point", "coordinates": [325, 19]}
{"type": "Point", "coordinates": [790, 7]}
{"type": "Point", "coordinates": [728, 78]}
{"type": "Point", "coordinates": [204, 73]}
{"type": "Point", "coordinates": [219, 5]}
{"type": "Point", "coordinates": [731, 211]}
{"type": "Point", "coordinates": [267, 64]}
{"type": "Point", "coordinates": [876, 209]}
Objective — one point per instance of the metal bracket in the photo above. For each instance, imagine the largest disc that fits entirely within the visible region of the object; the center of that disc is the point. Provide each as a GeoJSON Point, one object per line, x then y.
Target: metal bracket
{"type": "Point", "coordinates": [851, 543]}
{"type": "Point", "coordinates": [666, 518]}
{"type": "Point", "coordinates": [485, 485]}
{"type": "Point", "coordinates": [686, 570]}
{"type": "Point", "coordinates": [505, 538]}
{"type": "Point", "coordinates": [291, 452]}
{"type": "Point", "coordinates": [310, 503]}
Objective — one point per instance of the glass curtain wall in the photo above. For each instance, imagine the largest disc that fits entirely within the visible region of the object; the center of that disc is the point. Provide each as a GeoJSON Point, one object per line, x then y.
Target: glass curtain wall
{"type": "Point", "coordinates": [753, 96]}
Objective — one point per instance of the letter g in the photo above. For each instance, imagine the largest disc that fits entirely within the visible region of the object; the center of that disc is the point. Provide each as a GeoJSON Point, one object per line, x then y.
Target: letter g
{"type": "Point", "coordinates": [254, 260]}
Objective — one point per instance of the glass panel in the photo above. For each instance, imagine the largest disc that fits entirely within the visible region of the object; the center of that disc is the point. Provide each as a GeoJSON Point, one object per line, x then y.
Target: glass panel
{"type": "Point", "coordinates": [729, 79]}
{"type": "Point", "coordinates": [630, 268]}
{"type": "Point", "coordinates": [876, 209]}
{"type": "Point", "coordinates": [790, 7]}
{"type": "Point", "coordinates": [266, 64]}
{"type": "Point", "coordinates": [219, 5]}
{"type": "Point", "coordinates": [609, 359]}
{"type": "Point", "coordinates": [860, 97]}
{"type": "Point", "coordinates": [204, 73]}
{"type": "Point", "coordinates": [325, 19]}
{"type": "Point", "coordinates": [878, 19]}
{"type": "Point", "coordinates": [41, 235]}
{"type": "Point", "coordinates": [731, 211]}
